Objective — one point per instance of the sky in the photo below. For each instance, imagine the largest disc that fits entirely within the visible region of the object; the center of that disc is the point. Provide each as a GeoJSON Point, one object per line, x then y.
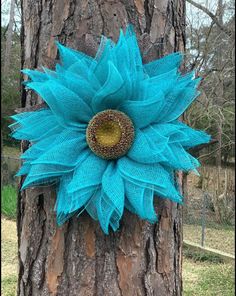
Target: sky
{"type": "Point", "coordinates": [5, 12]}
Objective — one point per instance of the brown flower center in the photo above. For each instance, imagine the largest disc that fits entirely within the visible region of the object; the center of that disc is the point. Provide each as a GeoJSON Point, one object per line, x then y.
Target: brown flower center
{"type": "Point", "coordinates": [110, 134]}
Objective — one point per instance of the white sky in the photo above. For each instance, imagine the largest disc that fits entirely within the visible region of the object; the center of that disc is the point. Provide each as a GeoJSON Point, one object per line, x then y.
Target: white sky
{"type": "Point", "coordinates": [5, 12]}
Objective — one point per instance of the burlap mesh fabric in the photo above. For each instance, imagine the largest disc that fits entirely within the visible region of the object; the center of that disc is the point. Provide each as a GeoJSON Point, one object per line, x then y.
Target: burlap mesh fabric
{"type": "Point", "coordinates": [152, 95]}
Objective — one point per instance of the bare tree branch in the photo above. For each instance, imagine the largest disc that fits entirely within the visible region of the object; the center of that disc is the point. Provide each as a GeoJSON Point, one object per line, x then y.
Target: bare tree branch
{"type": "Point", "coordinates": [212, 16]}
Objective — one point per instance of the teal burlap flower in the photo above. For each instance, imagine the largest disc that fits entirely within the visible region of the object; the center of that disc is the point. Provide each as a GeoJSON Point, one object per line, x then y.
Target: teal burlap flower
{"type": "Point", "coordinates": [109, 134]}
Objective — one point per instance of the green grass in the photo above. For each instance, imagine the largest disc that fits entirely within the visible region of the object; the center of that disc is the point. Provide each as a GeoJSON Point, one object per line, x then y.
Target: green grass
{"type": "Point", "coordinates": [9, 285]}
{"type": "Point", "coordinates": [221, 238]}
{"type": "Point", "coordinates": [207, 278]}
{"type": "Point", "coordinates": [201, 256]}
{"type": "Point", "coordinates": [9, 200]}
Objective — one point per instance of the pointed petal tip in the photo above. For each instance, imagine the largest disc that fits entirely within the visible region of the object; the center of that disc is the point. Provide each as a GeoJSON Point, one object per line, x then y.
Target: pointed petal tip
{"type": "Point", "coordinates": [58, 44]}
{"type": "Point", "coordinates": [105, 229]}
{"type": "Point", "coordinates": [18, 174]}
{"type": "Point", "coordinates": [153, 220]}
{"type": "Point", "coordinates": [195, 172]}
{"type": "Point", "coordinates": [60, 221]}
{"type": "Point", "coordinates": [130, 30]}
{"type": "Point", "coordinates": [25, 71]}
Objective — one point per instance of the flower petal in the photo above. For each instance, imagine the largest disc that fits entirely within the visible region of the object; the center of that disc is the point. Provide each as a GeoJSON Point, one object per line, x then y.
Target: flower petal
{"type": "Point", "coordinates": [113, 187]}
{"type": "Point", "coordinates": [30, 126]}
{"type": "Point", "coordinates": [111, 205]}
{"type": "Point", "coordinates": [112, 93]}
{"type": "Point", "coordinates": [51, 176]}
{"type": "Point", "coordinates": [141, 201]}
{"type": "Point", "coordinates": [80, 69]}
{"type": "Point", "coordinates": [142, 113]}
{"type": "Point", "coordinates": [88, 173]}
{"type": "Point", "coordinates": [178, 132]}
{"type": "Point", "coordinates": [69, 109]}
{"type": "Point", "coordinates": [164, 82]}
{"type": "Point", "coordinates": [147, 150]}
{"type": "Point", "coordinates": [128, 57]}
{"type": "Point", "coordinates": [35, 75]}
{"type": "Point", "coordinates": [68, 204]}
{"type": "Point", "coordinates": [90, 206]}
{"type": "Point", "coordinates": [45, 144]}
{"type": "Point", "coordinates": [193, 137]}
{"type": "Point", "coordinates": [104, 211]}
{"type": "Point", "coordinates": [164, 64]}
{"type": "Point", "coordinates": [104, 54]}
{"type": "Point", "coordinates": [25, 169]}
{"type": "Point", "coordinates": [49, 167]}
{"type": "Point", "coordinates": [183, 93]}
{"type": "Point", "coordinates": [179, 159]}
{"type": "Point", "coordinates": [76, 84]}
{"type": "Point", "coordinates": [134, 51]}
{"type": "Point", "coordinates": [70, 56]}
{"type": "Point", "coordinates": [149, 175]}
{"type": "Point", "coordinates": [100, 208]}
{"type": "Point", "coordinates": [66, 150]}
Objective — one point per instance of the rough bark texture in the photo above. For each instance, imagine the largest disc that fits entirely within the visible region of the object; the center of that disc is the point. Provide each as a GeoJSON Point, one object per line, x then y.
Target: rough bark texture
{"type": "Point", "coordinates": [78, 259]}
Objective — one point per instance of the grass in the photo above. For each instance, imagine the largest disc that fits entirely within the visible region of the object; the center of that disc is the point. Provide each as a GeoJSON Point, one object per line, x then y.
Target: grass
{"type": "Point", "coordinates": [9, 200]}
{"type": "Point", "coordinates": [9, 258]}
{"type": "Point", "coordinates": [221, 238]}
{"type": "Point", "coordinates": [204, 278]}
{"type": "Point", "coordinates": [200, 255]}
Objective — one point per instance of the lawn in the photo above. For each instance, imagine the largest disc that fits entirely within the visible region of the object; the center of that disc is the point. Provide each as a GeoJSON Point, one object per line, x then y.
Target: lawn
{"type": "Point", "coordinates": [9, 257]}
{"type": "Point", "coordinates": [8, 200]}
{"type": "Point", "coordinates": [200, 278]}
{"type": "Point", "coordinates": [221, 238]}
{"type": "Point", "coordinates": [207, 278]}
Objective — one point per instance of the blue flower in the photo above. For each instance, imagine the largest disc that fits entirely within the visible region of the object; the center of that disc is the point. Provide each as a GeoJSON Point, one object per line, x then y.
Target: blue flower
{"type": "Point", "coordinates": [110, 135]}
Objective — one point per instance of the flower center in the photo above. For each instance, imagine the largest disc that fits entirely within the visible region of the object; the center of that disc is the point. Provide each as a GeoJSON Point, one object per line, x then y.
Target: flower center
{"type": "Point", "coordinates": [110, 134]}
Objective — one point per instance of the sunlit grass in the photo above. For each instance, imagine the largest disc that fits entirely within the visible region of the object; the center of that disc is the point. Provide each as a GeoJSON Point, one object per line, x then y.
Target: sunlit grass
{"type": "Point", "coordinates": [9, 258]}
{"type": "Point", "coordinates": [221, 239]}
{"type": "Point", "coordinates": [207, 278]}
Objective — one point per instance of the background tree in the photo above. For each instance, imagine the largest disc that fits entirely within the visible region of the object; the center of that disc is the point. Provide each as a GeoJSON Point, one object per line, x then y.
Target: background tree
{"type": "Point", "coordinates": [78, 259]}
{"type": "Point", "coordinates": [9, 39]}
{"type": "Point", "coordinates": [210, 49]}
{"type": "Point", "coordinates": [10, 60]}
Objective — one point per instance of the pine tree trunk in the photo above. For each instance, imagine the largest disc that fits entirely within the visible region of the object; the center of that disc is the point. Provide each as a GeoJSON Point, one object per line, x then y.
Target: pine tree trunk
{"type": "Point", "coordinates": [78, 259]}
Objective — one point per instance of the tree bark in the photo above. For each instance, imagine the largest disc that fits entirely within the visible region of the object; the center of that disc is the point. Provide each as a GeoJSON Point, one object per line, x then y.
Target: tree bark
{"type": "Point", "coordinates": [78, 259]}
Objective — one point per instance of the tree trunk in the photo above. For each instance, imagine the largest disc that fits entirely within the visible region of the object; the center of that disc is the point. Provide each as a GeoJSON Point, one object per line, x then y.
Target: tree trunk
{"type": "Point", "coordinates": [7, 55]}
{"type": "Point", "coordinates": [78, 259]}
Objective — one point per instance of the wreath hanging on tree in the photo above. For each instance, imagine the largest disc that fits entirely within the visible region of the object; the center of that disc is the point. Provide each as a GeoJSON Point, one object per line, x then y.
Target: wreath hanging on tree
{"type": "Point", "coordinates": [109, 134]}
